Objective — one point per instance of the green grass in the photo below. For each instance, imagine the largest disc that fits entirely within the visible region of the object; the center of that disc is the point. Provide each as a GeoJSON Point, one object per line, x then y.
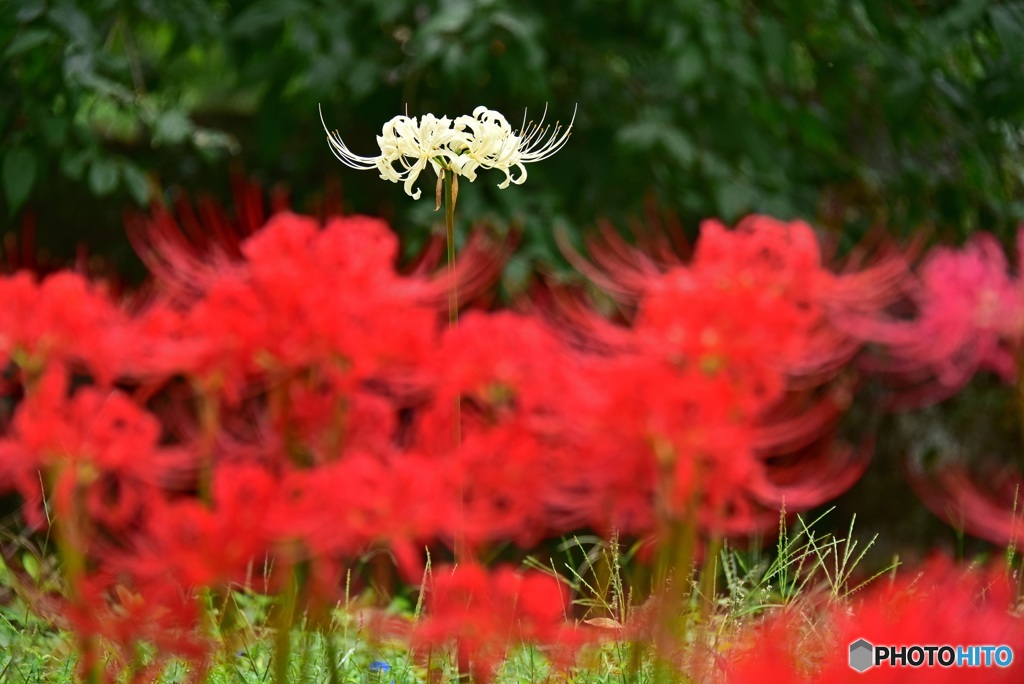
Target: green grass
{"type": "Point", "coordinates": [747, 584]}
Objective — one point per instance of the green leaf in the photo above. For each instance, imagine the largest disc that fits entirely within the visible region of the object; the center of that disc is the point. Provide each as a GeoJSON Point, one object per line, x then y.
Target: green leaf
{"type": "Point", "coordinates": [103, 176]}
{"type": "Point", "coordinates": [452, 18]}
{"type": "Point", "coordinates": [679, 146]}
{"type": "Point", "coordinates": [265, 14]}
{"type": "Point", "coordinates": [19, 173]}
{"type": "Point", "coordinates": [73, 163]}
{"type": "Point", "coordinates": [171, 128]}
{"type": "Point", "coordinates": [75, 22]}
{"type": "Point", "coordinates": [690, 66]}
{"type": "Point", "coordinates": [774, 43]}
{"type": "Point", "coordinates": [648, 134]}
{"type": "Point", "coordinates": [31, 565]}
{"type": "Point", "coordinates": [54, 130]}
{"type": "Point", "coordinates": [26, 40]}
{"type": "Point", "coordinates": [136, 183]}
{"type": "Point", "coordinates": [905, 95]}
{"type": "Point", "coordinates": [1008, 22]}
{"type": "Point", "coordinates": [29, 10]}
{"type": "Point", "coordinates": [734, 198]}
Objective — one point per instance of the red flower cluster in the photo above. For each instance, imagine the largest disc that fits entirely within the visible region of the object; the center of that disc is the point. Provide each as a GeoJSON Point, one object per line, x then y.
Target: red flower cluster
{"type": "Point", "coordinates": [968, 317]}
{"type": "Point", "coordinates": [63, 320]}
{"type": "Point", "coordinates": [292, 397]}
{"type": "Point", "coordinates": [728, 384]}
{"type": "Point", "coordinates": [489, 613]}
{"type": "Point", "coordinates": [964, 315]}
{"type": "Point", "coordinates": [938, 606]}
{"type": "Point", "coordinates": [96, 453]}
{"type": "Point", "coordinates": [303, 299]}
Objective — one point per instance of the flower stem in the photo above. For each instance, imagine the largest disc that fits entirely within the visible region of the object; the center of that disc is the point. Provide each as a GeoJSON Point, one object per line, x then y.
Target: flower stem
{"type": "Point", "coordinates": [450, 193]}
{"type": "Point", "coordinates": [209, 423]}
{"type": "Point", "coordinates": [449, 222]}
{"type": "Point", "coordinates": [285, 622]}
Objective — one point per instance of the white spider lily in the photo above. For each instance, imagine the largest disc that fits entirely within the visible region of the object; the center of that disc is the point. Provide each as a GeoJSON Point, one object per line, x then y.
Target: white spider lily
{"type": "Point", "coordinates": [494, 145]}
{"type": "Point", "coordinates": [482, 141]}
{"type": "Point", "coordinates": [412, 146]}
{"type": "Point", "coordinates": [406, 146]}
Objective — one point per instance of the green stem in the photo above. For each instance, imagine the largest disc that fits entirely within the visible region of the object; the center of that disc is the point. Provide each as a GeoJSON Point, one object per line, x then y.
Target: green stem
{"type": "Point", "coordinates": [449, 222]}
{"type": "Point", "coordinates": [705, 609]}
{"type": "Point", "coordinates": [709, 577]}
{"type": "Point", "coordinates": [209, 423]}
{"type": "Point", "coordinates": [332, 657]}
{"type": "Point", "coordinates": [453, 322]}
{"type": "Point", "coordinates": [71, 548]}
{"type": "Point", "coordinates": [283, 636]}
{"type": "Point", "coordinates": [282, 654]}
{"type": "Point", "coordinates": [677, 537]}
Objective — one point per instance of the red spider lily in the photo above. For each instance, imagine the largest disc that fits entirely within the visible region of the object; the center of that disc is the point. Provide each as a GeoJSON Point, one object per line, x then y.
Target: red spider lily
{"type": "Point", "coordinates": [501, 366]}
{"type": "Point", "coordinates": [709, 358]}
{"type": "Point", "coordinates": [188, 250]}
{"type": "Point", "coordinates": [328, 421]}
{"type": "Point", "coordinates": [487, 614]}
{"type": "Point", "coordinates": [513, 486]}
{"type": "Point", "coordinates": [785, 259]}
{"type": "Point", "coordinates": [332, 297]}
{"type": "Point", "coordinates": [992, 510]}
{"type": "Point", "coordinates": [157, 616]}
{"type": "Point", "coordinates": [940, 605]}
{"type": "Point", "coordinates": [96, 442]}
{"type": "Point", "coordinates": [969, 318]}
{"type": "Point", "coordinates": [727, 329]}
{"type": "Point", "coordinates": [303, 298]}
{"type": "Point", "coordinates": [673, 440]}
{"type": "Point", "coordinates": [325, 293]}
{"type": "Point", "coordinates": [316, 517]}
{"type": "Point", "coordinates": [317, 421]}
{"type": "Point", "coordinates": [712, 395]}
{"type": "Point", "coordinates": [344, 509]}
{"type": "Point", "coordinates": [739, 356]}
{"type": "Point", "coordinates": [194, 544]}
{"type": "Point", "coordinates": [62, 320]}
{"type": "Point", "coordinates": [217, 342]}
{"type": "Point", "coordinates": [522, 396]}
{"type": "Point", "coordinates": [782, 260]}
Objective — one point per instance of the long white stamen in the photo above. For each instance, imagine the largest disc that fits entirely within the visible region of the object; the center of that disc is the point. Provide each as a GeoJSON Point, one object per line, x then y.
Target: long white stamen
{"type": "Point", "coordinates": [342, 152]}
{"type": "Point", "coordinates": [551, 144]}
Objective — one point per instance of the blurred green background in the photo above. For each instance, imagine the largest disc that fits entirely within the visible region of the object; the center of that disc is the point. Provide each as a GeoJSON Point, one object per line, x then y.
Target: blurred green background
{"type": "Point", "coordinates": [851, 113]}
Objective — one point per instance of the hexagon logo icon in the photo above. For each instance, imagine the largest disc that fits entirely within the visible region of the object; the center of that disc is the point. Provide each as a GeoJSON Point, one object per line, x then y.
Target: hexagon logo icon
{"type": "Point", "coordinates": [861, 655]}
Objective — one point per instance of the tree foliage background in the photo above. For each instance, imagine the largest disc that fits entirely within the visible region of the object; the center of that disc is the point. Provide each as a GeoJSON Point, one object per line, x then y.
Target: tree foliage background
{"type": "Point", "coordinates": [852, 113]}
